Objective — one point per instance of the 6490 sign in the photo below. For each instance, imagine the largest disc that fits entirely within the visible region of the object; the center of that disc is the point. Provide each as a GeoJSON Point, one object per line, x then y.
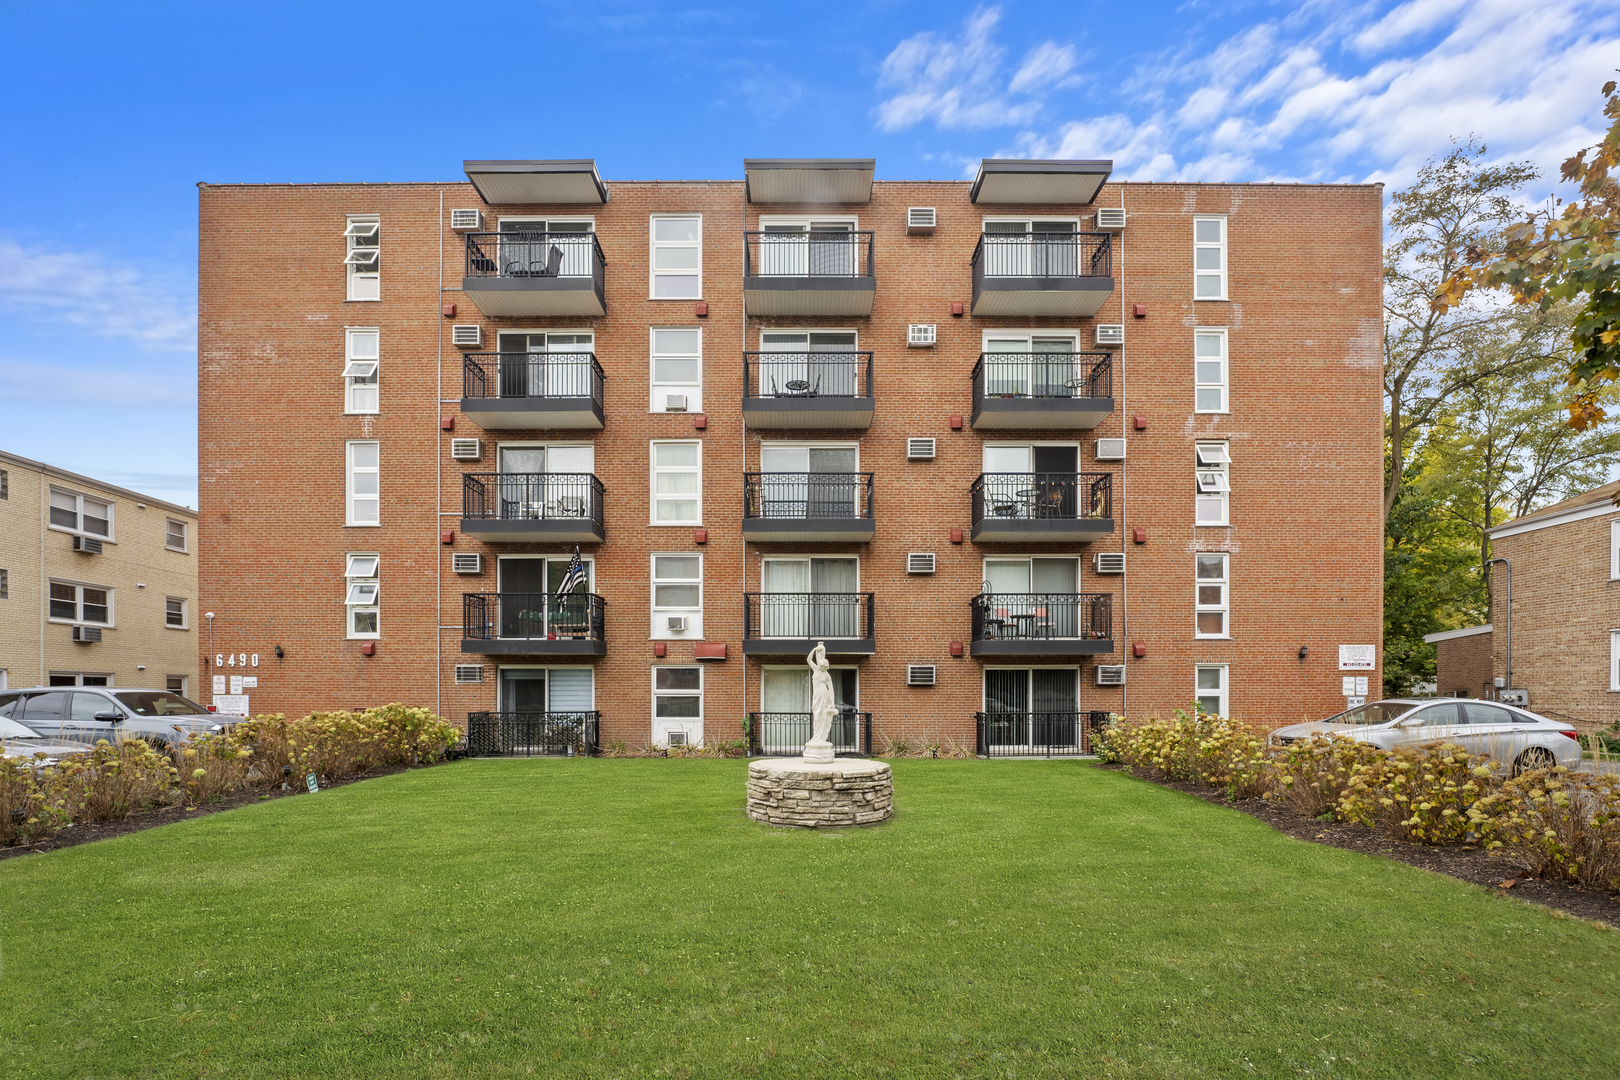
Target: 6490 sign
{"type": "Point", "coordinates": [236, 660]}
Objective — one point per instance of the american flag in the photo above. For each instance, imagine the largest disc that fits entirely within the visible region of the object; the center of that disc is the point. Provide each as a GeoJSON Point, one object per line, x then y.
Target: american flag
{"type": "Point", "coordinates": [574, 578]}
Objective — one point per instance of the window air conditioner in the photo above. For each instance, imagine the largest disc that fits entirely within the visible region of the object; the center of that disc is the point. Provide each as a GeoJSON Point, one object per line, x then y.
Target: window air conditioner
{"type": "Point", "coordinates": [919, 674]}
{"type": "Point", "coordinates": [677, 738]}
{"type": "Point", "coordinates": [1110, 562]}
{"type": "Point", "coordinates": [466, 449]}
{"type": "Point", "coordinates": [467, 335]}
{"type": "Point", "coordinates": [677, 622]}
{"type": "Point", "coordinates": [469, 673]}
{"type": "Point", "coordinates": [87, 544]}
{"type": "Point", "coordinates": [466, 220]}
{"type": "Point", "coordinates": [920, 562]}
{"type": "Point", "coordinates": [920, 449]}
{"type": "Point", "coordinates": [1110, 674]}
{"type": "Point", "coordinates": [1110, 218]}
{"type": "Point", "coordinates": [471, 562]}
{"type": "Point", "coordinates": [87, 633]}
{"type": "Point", "coordinates": [674, 402]}
{"type": "Point", "coordinates": [920, 220]}
{"type": "Point", "coordinates": [1110, 334]}
{"type": "Point", "coordinates": [921, 336]}
{"type": "Point", "coordinates": [1110, 450]}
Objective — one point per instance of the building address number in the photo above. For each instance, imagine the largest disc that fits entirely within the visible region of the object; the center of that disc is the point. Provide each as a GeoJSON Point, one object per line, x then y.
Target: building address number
{"type": "Point", "coordinates": [236, 660]}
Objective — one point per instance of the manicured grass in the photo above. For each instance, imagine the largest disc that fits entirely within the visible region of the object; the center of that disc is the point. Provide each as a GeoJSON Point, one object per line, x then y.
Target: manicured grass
{"type": "Point", "coordinates": [623, 918]}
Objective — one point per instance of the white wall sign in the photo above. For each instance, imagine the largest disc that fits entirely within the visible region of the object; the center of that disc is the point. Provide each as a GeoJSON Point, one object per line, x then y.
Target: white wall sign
{"type": "Point", "coordinates": [219, 684]}
{"type": "Point", "coordinates": [1354, 702]}
{"type": "Point", "coordinates": [1358, 657]}
{"type": "Point", "coordinates": [1361, 685]}
{"type": "Point", "coordinates": [231, 704]}
{"type": "Point", "coordinates": [236, 684]}
{"type": "Point", "coordinates": [250, 682]}
{"type": "Point", "coordinates": [1349, 685]}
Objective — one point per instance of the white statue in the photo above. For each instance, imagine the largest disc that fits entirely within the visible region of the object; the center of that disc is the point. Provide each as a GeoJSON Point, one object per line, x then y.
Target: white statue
{"type": "Point", "coordinates": [820, 749]}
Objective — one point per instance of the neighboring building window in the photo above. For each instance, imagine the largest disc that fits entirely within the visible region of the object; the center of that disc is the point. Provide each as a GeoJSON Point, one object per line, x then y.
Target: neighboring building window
{"type": "Point", "coordinates": [361, 597]}
{"type": "Point", "coordinates": [677, 257]}
{"type": "Point", "coordinates": [1209, 258]}
{"type": "Point", "coordinates": [175, 539]}
{"type": "Point", "coordinates": [80, 603]}
{"type": "Point", "coordinates": [1211, 688]}
{"type": "Point", "coordinates": [678, 694]}
{"type": "Point", "coordinates": [1614, 660]}
{"type": "Point", "coordinates": [677, 482]}
{"type": "Point", "coordinates": [175, 684]}
{"type": "Point", "coordinates": [364, 259]}
{"type": "Point", "coordinates": [677, 591]}
{"type": "Point", "coordinates": [1614, 548]}
{"type": "Point", "coordinates": [360, 371]}
{"type": "Point", "coordinates": [5, 484]}
{"type": "Point", "coordinates": [174, 613]}
{"type": "Point", "coordinates": [1212, 479]}
{"type": "Point", "coordinates": [1211, 598]}
{"type": "Point", "coordinates": [364, 496]}
{"type": "Point", "coordinates": [677, 368]}
{"type": "Point", "coordinates": [5, 585]}
{"type": "Point", "coordinates": [1209, 372]}
{"type": "Point", "coordinates": [80, 513]}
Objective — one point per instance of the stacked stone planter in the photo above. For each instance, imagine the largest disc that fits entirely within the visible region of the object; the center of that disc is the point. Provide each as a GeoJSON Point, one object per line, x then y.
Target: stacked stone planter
{"type": "Point", "coordinates": [812, 795]}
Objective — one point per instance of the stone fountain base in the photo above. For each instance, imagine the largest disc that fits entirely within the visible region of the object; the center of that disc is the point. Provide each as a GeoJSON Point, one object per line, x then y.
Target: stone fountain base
{"type": "Point", "coordinates": [813, 794]}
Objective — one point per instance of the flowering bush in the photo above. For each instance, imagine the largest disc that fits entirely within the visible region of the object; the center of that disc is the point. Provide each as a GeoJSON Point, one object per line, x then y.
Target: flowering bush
{"type": "Point", "coordinates": [110, 782]}
{"type": "Point", "coordinates": [1419, 793]}
{"type": "Point", "coordinates": [1310, 776]}
{"type": "Point", "coordinates": [25, 810]}
{"type": "Point", "coordinates": [339, 745]}
{"type": "Point", "coordinates": [1556, 823]}
{"type": "Point", "coordinates": [1201, 749]}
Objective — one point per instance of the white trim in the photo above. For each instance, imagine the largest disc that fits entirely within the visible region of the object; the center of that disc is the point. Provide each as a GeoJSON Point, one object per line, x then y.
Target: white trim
{"type": "Point", "coordinates": [1225, 691]}
{"type": "Point", "coordinates": [185, 613]}
{"type": "Point", "coordinates": [1562, 517]}
{"type": "Point", "coordinates": [1221, 246]}
{"type": "Point", "coordinates": [565, 219]}
{"type": "Point", "coordinates": [1029, 219]}
{"type": "Point", "coordinates": [653, 244]}
{"type": "Point", "coordinates": [362, 354]}
{"type": "Point", "coordinates": [1224, 386]}
{"type": "Point", "coordinates": [1614, 659]}
{"type": "Point", "coordinates": [659, 390]}
{"type": "Point", "coordinates": [78, 618]}
{"type": "Point", "coordinates": [185, 536]}
{"type": "Point", "coordinates": [350, 471]}
{"type": "Point", "coordinates": [660, 614]}
{"type": "Point", "coordinates": [1224, 583]}
{"type": "Point", "coordinates": [361, 283]}
{"type": "Point", "coordinates": [1614, 549]}
{"type": "Point", "coordinates": [810, 219]}
{"type": "Point", "coordinates": [500, 681]}
{"type": "Point", "coordinates": [78, 528]}
{"type": "Point", "coordinates": [660, 727]}
{"type": "Point", "coordinates": [1452, 635]}
{"type": "Point", "coordinates": [653, 469]}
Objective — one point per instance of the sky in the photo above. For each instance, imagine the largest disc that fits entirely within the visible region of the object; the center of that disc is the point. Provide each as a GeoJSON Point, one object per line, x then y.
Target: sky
{"type": "Point", "coordinates": [116, 111]}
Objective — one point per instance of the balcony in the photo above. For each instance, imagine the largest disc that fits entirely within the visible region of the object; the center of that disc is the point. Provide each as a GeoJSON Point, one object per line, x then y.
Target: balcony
{"type": "Point", "coordinates": [1065, 275]}
{"type": "Point", "coordinates": [809, 181]}
{"type": "Point", "coordinates": [533, 734]}
{"type": "Point", "coordinates": [808, 507]}
{"type": "Point", "coordinates": [783, 734]}
{"type": "Point", "coordinates": [808, 273]}
{"type": "Point", "coordinates": [501, 391]}
{"type": "Point", "coordinates": [1042, 624]}
{"type": "Point", "coordinates": [807, 390]}
{"type": "Point", "coordinates": [1069, 391]}
{"type": "Point", "coordinates": [533, 624]}
{"type": "Point", "coordinates": [535, 274]}
{"type": "Point", "coordinates": [1042, 507]}
{"type": "Point", "coordinates": [516, 508]}
{"type": "Point", "coordinates": [1036, 734]}
{"type": "Point", "coordinates": [790, 624]}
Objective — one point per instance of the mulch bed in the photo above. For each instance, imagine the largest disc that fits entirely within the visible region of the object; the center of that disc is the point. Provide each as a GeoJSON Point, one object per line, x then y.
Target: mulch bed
{"type": "Point", "coordinates": [1466, 862]}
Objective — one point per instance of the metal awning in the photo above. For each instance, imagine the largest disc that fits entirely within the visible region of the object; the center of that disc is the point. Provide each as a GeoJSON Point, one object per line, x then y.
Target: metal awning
{"type": "Point", "coordinates": [817, 181]}
{"type": "Point", "coordinates": [531, 183]}
{"type": "Point", "coordinates": [1010, 181]}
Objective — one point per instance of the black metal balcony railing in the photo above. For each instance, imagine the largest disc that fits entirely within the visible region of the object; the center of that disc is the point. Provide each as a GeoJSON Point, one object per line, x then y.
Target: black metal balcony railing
{"type": "Point", "coordinates": [786, 733]}
{"type": "Point", "coordinates": [1036, 734]}
{"type": "Point", "coordinates": [1043, 616]}
{"type": "Point", "coordinates": [534, 255]}
{"type": "Point", "coordinates": [800, 496]}
{"type": "Point", "coordinates": [1042, 496]}
{"type": "Point", "coordinates": [531, 375]}
{"type": "Point", "coordinates": [807, 616]}
{"type": "Point", "coordinates": [529, 734]}
{"type": "Point", "coordinates": [1044, 255]}
{"type": "Point", "coordinates": [531, 496]}
{"type": "Point", "coordinates": [533, 616]}
{"type": "Point", "coordinates": [807, 255]}
{"type": "Point", "coordinates": [807, 374]}
{"type": "Point", "coordinates": [1043, 375]}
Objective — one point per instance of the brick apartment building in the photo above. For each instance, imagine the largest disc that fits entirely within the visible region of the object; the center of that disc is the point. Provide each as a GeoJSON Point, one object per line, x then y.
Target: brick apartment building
{"type": "Point", "coordinates": [1021, 451]}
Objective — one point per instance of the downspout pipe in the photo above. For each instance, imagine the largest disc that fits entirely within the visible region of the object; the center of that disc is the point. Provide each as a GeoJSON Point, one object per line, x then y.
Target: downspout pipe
{"type": "Point", "coordinates": [1508, 621]}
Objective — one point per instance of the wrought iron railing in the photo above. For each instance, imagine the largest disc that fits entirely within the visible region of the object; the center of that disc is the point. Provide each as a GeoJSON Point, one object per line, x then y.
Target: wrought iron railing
{"type": "Point", "coordinates": [534, 255]}
{"type": "Point", "coordinates": [1043, 375]}
{"type": "Point", "coordinates": [530, 734]}
{"type": "Point", "coordinates": [1036, 734]}
{"type": "Point", "coordinates": [807, 255]}
{"type": "Point", "coordinates": [1044, 255]}
{"type": "Point", "coordinates": [531, 496]}
{"type": "Point", "coordinates": [787, 732]}
{"type": "Point", "coordinates": [807, 495]}
{"type": "Point", "coordinates": [579, 616]}
{"type": "Point", "coordinates": [531, 375]}
{"type": "Point", "coordinates": [1038, 496]}
{"type": "Point", "coordinates": [1043, 616]}
{"type": "Point", "coordinates": [807, 374]}
{"type": "Point", "coordinates": [806, 616]}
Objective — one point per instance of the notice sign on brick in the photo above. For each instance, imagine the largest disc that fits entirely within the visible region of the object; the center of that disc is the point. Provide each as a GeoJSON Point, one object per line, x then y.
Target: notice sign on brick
{"type": "Point", "coordinates": [1358, 657]}
{"type": "Point", "coordinates": [231, 704]}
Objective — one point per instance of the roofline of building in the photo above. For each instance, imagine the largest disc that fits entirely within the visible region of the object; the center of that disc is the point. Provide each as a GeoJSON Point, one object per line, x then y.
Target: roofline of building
{"type": "Point", "coordinates": [1452, 635]}
{"type": "Point", "coordinates": [1557, 517]}
{"type": "Point", "coordinates": [729, 180]}
{"type": "Point", "coordinates": [79, 478]}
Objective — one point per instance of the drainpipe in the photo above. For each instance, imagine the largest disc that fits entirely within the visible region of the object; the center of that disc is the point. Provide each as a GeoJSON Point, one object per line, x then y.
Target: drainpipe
{"type": "Point", "coordinates": [1508, 622]}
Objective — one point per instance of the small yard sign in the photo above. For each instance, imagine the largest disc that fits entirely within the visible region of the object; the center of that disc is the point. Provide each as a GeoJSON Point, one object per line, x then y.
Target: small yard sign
{"type": "Point", "coordinates": [1358, 657]}
{"type": "Point", "coordinates": [314, 785]}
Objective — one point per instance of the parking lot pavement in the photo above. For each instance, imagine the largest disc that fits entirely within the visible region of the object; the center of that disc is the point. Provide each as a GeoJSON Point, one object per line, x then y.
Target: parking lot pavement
{"type": "Point", "coordinates": [1599, 766]}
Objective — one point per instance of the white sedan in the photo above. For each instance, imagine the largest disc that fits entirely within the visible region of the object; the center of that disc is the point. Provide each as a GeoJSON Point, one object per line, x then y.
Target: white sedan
{"type": "Point", "coordinates": [1515, 737]}
{"type": "Point", "coordinates": [21, 741]}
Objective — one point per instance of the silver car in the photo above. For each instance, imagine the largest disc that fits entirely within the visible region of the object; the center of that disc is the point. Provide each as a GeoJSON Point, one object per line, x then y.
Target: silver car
{"type": "Point", "coordinates": [117, 714]}
{"type": "Point", "coordinates": [21, 741]}
{"type": "Point", "coordinates": [1515, 737]}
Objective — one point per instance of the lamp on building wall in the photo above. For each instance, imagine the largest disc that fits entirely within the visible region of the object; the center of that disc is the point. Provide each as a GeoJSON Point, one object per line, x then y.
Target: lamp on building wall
{"type": "Point", "coordinates": [279, 654]}
{"type": "Point", "coordinates": [1303, 649]}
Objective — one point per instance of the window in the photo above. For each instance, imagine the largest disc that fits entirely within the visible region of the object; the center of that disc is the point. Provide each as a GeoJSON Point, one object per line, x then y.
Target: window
{"type": "Point", "coordinates": [677, 367]}
{"type": "Point", "coordinates": [5, 484]}
{"type": "Point", "coordinates": [80, 603]}
{"type": "Point", "coordinates": [1212, 481]}
{"type": "Point", "coordinates": [364, 498]}
{"type": "Point", "coordinates": [1209, 258]}
{"type": "Point", "coordinates": [1038, 365]}
{"type": "Point", "coordinates": [544, 690]}
{"type": "Point", "coordinates": [1614, 549]}
{"type": "Point", "coordinates": [174, 613]}
{"type": "Point", "coordinates": [1614, 660]}
{"type": "Point", "coordinates": [1022, 247]}
{"type": "Point", "coordinates": [677, 476]}
{"type": "Point", "coordinates": [677, 697]}
{"type": "Point", "coordinates": [175, 538]}
{"type": "Point", "coordinates": [360, 394]}
{"type": "Point", "coordinates": [1210, 680]}
{"type": "Point", "coordinates": [175, 684]}
{"type": "Point", "coordinates": [813, 364]}
{"type": "Point", "coordinates": [811, 598]}
{"type": "Point", "coordinates": [677, 590]}
{"type": "Point", "coordinates": [5, 585]}
{"type": "Point", "coordinates": [1209, 371]}
{"type": "Point", "coordinates": [80, 513]}
{"type": "Point", "coordinates": [1211, 596]}
{"type": "Point", "coordinates": [1034, 598]}
{"type": "Point", "coordinates": [364, 256]}
{"type": "Point", "coordinates": [677, 257]}
{"type": "Point", "coordinates": [361, 596]}
{"type": "Point", "coordinates": [1031, 707]}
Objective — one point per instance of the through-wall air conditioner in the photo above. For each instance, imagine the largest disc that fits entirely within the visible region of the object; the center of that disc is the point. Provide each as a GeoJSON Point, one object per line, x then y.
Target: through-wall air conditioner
{"type": "Point", "coordinates": [1110, 562]}
{"type": "Point", "coordinates": [1110, 334]}
{"type": "Point", "coordinates": [920, 562]}
{"type": "Point", "coordinates": [467, 562]}
{"type": "Point", "coordinates": [920, 449]}
{"type": "Point", "coordinates": [1110, 218]}
{"type": "Point", "coordinates": [87, 544]}
{"type": "Point", "coordinates": [469, 673]}
{"type": "Point", "coordinates": [921, 336]}
{"type": "Point", "coordinates": [919, 674]}
{"type": "Point", "coordinates": [466, 220]}
{"type": "Point", "coordinates": [677, 738]}
{"type": "Point", "coordinates": [677, 623]}
{"type": "Point", "coordinates": [466, 449]}
{"type": "Point", "coordinates": [1110, 674]}
{"type": "Point", "coordinates": [674, 402]}
{"type": "Point", "coordinates": [920, 220]}
{"type": "Point", "coordinates": [1110, 450]}
{"type": "Point", "coordinates": [467, 335]}
{"type": "Point", "coordinates": [86, 633]}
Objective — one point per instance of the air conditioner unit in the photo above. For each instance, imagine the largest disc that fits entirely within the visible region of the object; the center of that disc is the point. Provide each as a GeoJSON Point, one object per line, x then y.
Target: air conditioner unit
{"type": "Point", "coordinates": [1110, 334]}
{"type": "Point", "coordinates": [677, 738]}
{"type": "Point", "coordinates": [677, 622]}
{"type": "Point", "coordinates": [1110, 562]}
{"type": "Point", "coordinates": [469, 673]}
{"type": "Point", "coordinates": [920, 562]}
{"type": "Point", "coordinates": [674, 402]}
{"type": "Point", "coordinates": [921, 336]}
{"type": "Point", "coordinates": [920, 220]}
{"type": "Point", "coordinates": [470, 562]}
{"type": "Point", "coordinates": [1111, 218]}
{"type": "Point", "coordinates": [87, 633]}
{"type": "Point", "coordinates": [920, 449]}
{"type": "Point", "coordinates": [466, 449]}
{"type": "Point", "coordinates": [466, 220]}
{"type": "Point", "coordinates": [919, 674]}
{"type": "Point", "coordinates": [1110, 674]}
{"type": "Point", "coordinates": [467, 335]}
{"type": "Point", "coordinates": [1110, 450]}
{"type": "Point", "coordinates": [87, 544]}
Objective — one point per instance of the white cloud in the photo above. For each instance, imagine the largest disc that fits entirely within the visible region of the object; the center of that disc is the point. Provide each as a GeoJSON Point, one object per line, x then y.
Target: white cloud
{"type": "Point", "coordinates": [104, 296]}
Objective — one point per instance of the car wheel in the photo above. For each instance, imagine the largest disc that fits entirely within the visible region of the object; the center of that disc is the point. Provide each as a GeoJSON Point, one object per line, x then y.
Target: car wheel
{"type": "Point", "coordinates": [1537, 757]}
{"type": "Point", "coordinates": [159, 746]}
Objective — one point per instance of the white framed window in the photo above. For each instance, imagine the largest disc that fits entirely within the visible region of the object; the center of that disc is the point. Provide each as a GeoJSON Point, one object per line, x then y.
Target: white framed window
{"type": "Point", "coordinates": [1210, 602]}
{"type": "Point", "coordinates": [72, 602]}
{"type": "Point", "coordinates": [677, 482]}
{"type": "Point", "coordinates": [1209, 258]}
{"type": "Point", "coordinates": [363, 484]}
{"type": "Point", "coordinates": [175, 535]}
{"type": "Point", "coordinates": [78, 513]}
{"type": "Point", "coordinates": [677, 257]}
{"type": "Point", "coordinates": [812, 362]}
{"type": "Point", "coordinates": [175, 684]}
{"type": "Point", "coordinates": [364, 257]}
{"type": "Point", "coordinates": [175, 613]}
{"type": "Point", "coordinates": [677, 693]}
{"type": "Point", "coordinates": [1212, 481]}
{"type": "Point", "coordinates": [1210, 689]}
{"type": "Point", "coordinates": [1210, 369]}
{"type": "Point", "coordinates": [362, 595]}
{"type": "Point", "coordinates": [5, 484]}
{"type": "Point", "coordinates": [1614, 549]}
{"type": "Point", "coordinates": [1614, 660]}
{"type": "Point", "coordinates": [677, 593]}
{"type": "Point", "coordinates": [677, 368]}
{"type": "Point", "coordinates": [360, 363]}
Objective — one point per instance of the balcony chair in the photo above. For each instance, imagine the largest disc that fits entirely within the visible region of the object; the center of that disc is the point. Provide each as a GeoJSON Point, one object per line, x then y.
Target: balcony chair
{"type": "Point", "coordinates": [551, 266]}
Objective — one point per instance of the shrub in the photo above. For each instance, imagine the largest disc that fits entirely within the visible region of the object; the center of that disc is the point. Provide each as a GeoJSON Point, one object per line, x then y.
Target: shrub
{"type": "Point", "coordinates": [26, 811]}
{"type": "Point", "coordinates": [1311, 775]}
{"type": "Point", "coordinates": [110, 782]}
{"type": "Point", "coordinates": [1199, 749]}
{"type": "Point", "coordinates": [211, 766]}
{"type": "Point", "coordinates": [1419, 793]}
{"type": "Point", "coordinates": [1556, 824]}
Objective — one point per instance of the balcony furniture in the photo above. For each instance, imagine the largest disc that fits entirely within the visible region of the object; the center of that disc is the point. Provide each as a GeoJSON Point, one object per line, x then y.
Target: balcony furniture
{"type": "Point", "coordinates": [533, 507]}
{"type": "Point", "coordinates": [807, 507]}
{"type": "Point", "coordinates": [1064, 507]}
{"type": "Point", "coordinates": [535, 274]}
{"type": "Point", "coordinates": [807, 389]}
{"type": "Point", "coordinates": [1042, 391]}
{"type": "Point", "coordinates": [1042, 624]}
{"type": "Point", "coordinates": [534, 624]}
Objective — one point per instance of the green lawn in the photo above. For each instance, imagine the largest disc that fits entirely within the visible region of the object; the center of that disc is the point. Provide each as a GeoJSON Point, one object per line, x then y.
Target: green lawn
{"type": "Point", "coordinates": [623, 918]}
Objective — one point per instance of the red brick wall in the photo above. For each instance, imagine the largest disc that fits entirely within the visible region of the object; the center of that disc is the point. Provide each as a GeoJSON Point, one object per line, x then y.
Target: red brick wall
{"type": "Point", "coordinates": [1463, 665]}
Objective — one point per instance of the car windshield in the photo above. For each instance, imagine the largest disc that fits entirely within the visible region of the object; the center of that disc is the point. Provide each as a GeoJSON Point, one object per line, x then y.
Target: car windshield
{"type": "Point", "coordinates": [158, 703]}
{"type": "Point", "coordinates": [10, 729]}
{"type": "Point", "coordinates": [1377, 712]}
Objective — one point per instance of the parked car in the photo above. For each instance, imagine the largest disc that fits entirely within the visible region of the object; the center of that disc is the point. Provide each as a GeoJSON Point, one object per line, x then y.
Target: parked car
{"type": "Point", "coordinates": [117, 714]}
{"type": "Point", "coordinates": [1515, 737]}
{"type": "Point", "coordinates": [21, 741]}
